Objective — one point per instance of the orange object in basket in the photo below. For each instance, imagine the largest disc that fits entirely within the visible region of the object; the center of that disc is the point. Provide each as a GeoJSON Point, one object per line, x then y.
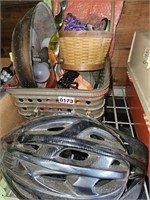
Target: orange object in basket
{"type": "Point", "coordinates": [82, 83]}
{"type": "Point", "coordinates": [52, 56]}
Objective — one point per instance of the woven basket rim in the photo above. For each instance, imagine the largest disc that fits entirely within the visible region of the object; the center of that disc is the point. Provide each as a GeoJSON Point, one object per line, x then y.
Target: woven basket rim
{"type": "Point", "coordinates": [103, 34]}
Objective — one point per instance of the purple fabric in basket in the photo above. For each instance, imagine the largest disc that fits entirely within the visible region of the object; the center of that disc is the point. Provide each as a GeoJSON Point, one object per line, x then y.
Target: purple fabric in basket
{"type": "Point", "coordinates": [72, 23]}
{"type": "Point", "coordinates": [84, 9]}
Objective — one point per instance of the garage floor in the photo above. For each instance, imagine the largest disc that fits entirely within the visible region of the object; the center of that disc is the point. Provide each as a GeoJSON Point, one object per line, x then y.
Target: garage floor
{"type": "Point", "coordinates": [117, 114]}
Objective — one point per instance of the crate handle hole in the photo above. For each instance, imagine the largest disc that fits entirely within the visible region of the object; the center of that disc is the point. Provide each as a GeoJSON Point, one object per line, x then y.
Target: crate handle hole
{"type": "Point", "coordinates": [28, 116]}
{"type": "Point", "coordinates": [39, 100]}
{"type": "Point", "coordinates": [42, 108]}
{"type": "Point", "coordinates": [48, 100]}
{"type": "Point", "coordinates": [88, 102]}
{"type": "Point", "coordinates": [30, 100]}
{"type": "Point", "coordinates": [24, 108]}
{"type": "Point", "coordinates": [78, 102]}
{"type": "Point", "coordinates": [21, 100]}
{"type": "Point", "coordinates": [69, 110]}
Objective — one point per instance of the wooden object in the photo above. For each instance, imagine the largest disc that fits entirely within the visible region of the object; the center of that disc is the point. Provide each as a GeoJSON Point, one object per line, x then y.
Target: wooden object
{"type": "Point", "coordinates": [135, 16]}
{"type": "Point", "coordinates": [141, 124]}
{"type": "Point", "coordinates": [10, 118]}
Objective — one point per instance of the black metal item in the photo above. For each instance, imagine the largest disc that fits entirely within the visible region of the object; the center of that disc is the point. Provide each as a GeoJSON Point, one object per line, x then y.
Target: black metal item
{"type": "Point", "coordinates": [103, 24]}
{"type": "Point", "coordinates": [59, 17]}
{"type": "Point", "coordinates": [67, 80]}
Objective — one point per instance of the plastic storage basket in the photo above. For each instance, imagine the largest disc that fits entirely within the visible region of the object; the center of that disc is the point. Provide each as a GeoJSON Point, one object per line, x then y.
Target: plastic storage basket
{"type": "Point", "coordinates": [33, 102]}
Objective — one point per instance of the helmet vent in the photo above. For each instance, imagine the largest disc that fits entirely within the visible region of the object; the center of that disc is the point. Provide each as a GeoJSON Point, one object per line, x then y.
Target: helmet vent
{"type": "Point", "coordinates": [73, 155]}
{"type": "Point", "coordinates": [102, 182]}
{"type": "Point", "coordinates": [55, 129]}
{"type": "Point", "coordinates": [31, 147]}
{"type": "Point", "coordinates": [57, 177]}
{"type": "Point", "coordinates": [115, 162]}
{"type": "Point", "coordinates": [97, 137]}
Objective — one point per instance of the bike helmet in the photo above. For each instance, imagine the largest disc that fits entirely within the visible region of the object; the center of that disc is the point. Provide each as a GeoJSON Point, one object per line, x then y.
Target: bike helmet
{"type": "Point", "coordinates": [71, 156]}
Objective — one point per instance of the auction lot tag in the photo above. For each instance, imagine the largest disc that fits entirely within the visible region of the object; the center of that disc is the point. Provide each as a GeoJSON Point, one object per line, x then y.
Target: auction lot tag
{"type": "Point", "coordinates": [66, 100]}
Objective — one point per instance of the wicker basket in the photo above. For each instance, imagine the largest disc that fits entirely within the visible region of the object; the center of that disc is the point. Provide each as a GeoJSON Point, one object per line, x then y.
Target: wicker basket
{"type": "Point", "coordinates": [85, 50]}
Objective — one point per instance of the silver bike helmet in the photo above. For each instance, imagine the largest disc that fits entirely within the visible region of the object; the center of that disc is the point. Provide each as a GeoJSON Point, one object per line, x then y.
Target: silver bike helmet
{"type": "Point", "coordinates": [71, 156]}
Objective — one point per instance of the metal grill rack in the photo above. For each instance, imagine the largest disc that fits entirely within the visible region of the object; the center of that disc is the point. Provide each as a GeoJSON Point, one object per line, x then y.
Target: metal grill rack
{"type": "Point", "coordinates": [117, 114]}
